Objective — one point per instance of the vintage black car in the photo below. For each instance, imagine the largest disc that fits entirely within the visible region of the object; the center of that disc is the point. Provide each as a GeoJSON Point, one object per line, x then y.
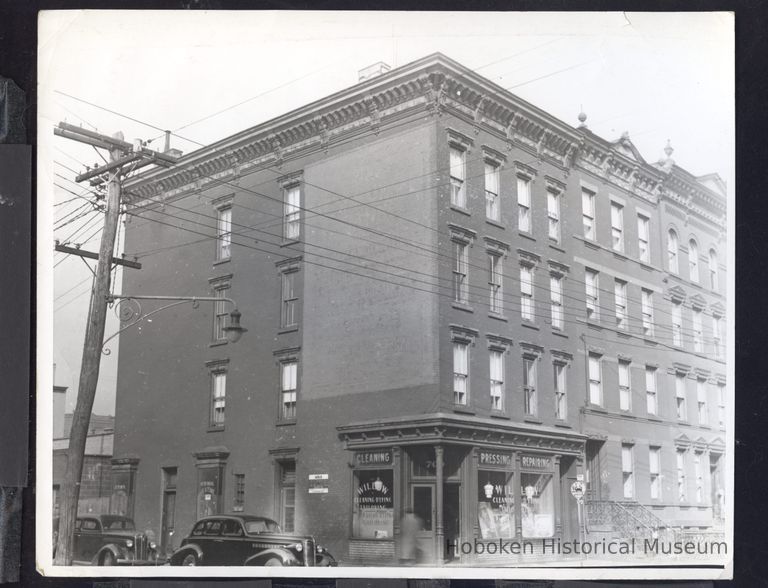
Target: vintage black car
{"type": "Point", "coordinates": [110, 540]}
{"type": "Point", "coordinates": [247, 540]}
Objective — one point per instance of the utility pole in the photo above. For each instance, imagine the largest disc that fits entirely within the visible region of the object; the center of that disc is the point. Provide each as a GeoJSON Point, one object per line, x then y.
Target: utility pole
{"type": "Point", "coordinates": [120, 153]}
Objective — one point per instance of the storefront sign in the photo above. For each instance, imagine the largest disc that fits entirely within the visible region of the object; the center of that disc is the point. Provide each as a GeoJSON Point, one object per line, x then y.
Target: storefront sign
{"type": "Point", "coordinates": [535, 462]}
{"type": "Point", "coordinates": [380, 457]}
{"type": "Point", "coordinates": [495, 458]}
{"type": "Point", "coordinates": [373, 513]}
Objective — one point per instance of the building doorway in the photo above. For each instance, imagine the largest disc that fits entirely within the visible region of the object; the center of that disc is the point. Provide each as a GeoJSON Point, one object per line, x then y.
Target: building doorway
{"type": "Point", "coordinates": [423, 504]}
{"type": "Point", "coordinates": [168, 515]}
{"type": "Point", "coordinates": [451, 519]}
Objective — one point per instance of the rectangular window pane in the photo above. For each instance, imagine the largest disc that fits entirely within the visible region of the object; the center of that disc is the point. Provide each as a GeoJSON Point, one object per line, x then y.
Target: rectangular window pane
{"type": "Point", "coordinates": [647, 312]}
{"type": "Point", "coordinates": [595, 384]}
{"type": "Point", "coordinates": [561, 408]}
{"type": "Point", "coordinates": [682, 493]}
{"type": "Point", "coordinates": [617, 227]}
{"type": "Point", "coordinates": [553, 215]}
{"type": "Point", "coordinates": [292, 213]}
{"type": "Point", "coordinates": [458, 190]}
{"type": "Point", "coordinates": [524, 204]}
{"type": "Point", "coordinates": [592, 295]}
{"type": "Point", "coordinates": [289, 385]}
{"type": "Point", "coordinates": [643, 238]}
{"type": "Point", "coordinates": [460, 372]}
{"type": "Point", "coordinates": [526, 293]}
{"type": "Point", "coordinates": [588, 213]}
{"type": "Point", "coordinates": [492, 191]}
{"type": "Point", "coordinates": [497, 380]}
{"type": "Point", "coordinates": [218, 402]}
{"type": "Point", "coordinates": [650, 390]}
{"type": "Point", "coordinates": [224, 233]}
{"type": "Point", "coordinates": [680, 394]}
{"type": "Point", "coordinates": [460, 268]}
{"type": "Point", "coordinates": [620, 297]}
{"type": "Point", "coordinates": [625, 393]}
{"type": "Point", "coordinates": [556, 297]}
{"type": "Point", "coordinates": [495, 283]}
{"type": "Point", "coordinates": [529, 385]}
{"type": "Point", "coordinates": [677, 324]}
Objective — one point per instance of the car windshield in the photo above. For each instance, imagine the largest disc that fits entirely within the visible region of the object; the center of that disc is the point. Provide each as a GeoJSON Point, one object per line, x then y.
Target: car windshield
{"type": "Point", "coordinates": [118, 525]}
{"type": "Point", "coordinates": [261, 526]}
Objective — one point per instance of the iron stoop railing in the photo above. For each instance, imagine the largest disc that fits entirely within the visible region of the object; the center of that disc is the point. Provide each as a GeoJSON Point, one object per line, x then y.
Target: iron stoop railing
{"type": "Point", "coordinates": [627, 520]}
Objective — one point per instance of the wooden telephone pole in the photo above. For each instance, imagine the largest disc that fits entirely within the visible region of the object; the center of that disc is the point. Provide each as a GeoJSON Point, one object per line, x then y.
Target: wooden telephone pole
{"type": "Point", "coordinates": [120, 154]}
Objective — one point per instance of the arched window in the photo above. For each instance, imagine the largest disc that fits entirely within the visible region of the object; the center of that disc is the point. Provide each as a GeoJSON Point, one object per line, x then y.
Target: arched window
{"type": "Point", "coordinates": [713, 269]}
{"type": "Point", "coordinates": [693, 261]}
{"type": "Point", "coordinates": [672, 251]}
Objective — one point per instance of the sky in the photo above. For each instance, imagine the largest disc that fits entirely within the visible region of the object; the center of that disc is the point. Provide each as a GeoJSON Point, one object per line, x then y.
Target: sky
{"type": "Point", "coordinates": [205, 76]}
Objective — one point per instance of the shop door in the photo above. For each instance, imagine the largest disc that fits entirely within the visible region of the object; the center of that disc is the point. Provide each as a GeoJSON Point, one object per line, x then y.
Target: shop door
{"type": "Point", "coordinates": [423, 503]}
{"type": "Point", "coordinates": [169, 521]}
{"type": "Point", "coordinates": [451, 518]}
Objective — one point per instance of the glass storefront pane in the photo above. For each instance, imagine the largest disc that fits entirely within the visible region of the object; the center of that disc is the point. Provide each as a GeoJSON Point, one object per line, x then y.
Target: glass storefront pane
{"type": "Point", "coordinates": [373, 512]}
{"type": "Point", "coordinates": [537, 505]}
{"type": "Point", "coordinates": [496, 504]}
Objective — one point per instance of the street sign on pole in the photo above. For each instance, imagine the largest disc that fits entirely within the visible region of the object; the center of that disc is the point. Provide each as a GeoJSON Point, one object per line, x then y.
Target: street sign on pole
{"type": "Point", "coordinates": [577, 490]}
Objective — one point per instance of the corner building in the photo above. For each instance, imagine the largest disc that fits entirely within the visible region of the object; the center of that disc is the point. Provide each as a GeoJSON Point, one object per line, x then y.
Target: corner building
{"type": "Point", "coordinates": [443, 287]}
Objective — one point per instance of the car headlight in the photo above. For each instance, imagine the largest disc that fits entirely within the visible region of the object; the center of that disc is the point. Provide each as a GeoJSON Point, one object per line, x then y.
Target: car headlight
{"type": "Point", "coordinates": [320, 549]}
{"type": "Point", "coordinates": [129, 543]}
{"type": "Point", "coordinates": [298, 547]}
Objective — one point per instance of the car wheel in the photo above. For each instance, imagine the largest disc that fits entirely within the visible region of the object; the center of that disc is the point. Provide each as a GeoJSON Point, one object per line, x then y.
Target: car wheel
{"type": "Point", "coordinates": [189, 560]}
{"type": "Point", "coordinates": [273, 561]}
{"type": "Point", "coordinates": [108, 559]}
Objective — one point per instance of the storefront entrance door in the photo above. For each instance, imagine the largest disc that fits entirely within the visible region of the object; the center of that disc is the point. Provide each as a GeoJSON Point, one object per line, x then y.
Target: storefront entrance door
{"type": "Point", "coordinates": [451, 518]}
{"type": "Point", "coordinates": [423, 503]}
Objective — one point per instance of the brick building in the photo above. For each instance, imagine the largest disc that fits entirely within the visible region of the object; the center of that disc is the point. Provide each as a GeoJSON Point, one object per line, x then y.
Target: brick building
{"type": "Point", "coordinates": [456, 303]}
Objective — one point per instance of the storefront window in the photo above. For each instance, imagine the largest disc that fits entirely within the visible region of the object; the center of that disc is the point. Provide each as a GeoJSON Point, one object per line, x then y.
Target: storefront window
{"type": "Point", "coordinates": [537, 505]}
{"type": "Point", "coordinates": [373, 504]}
{"type": "Point", "coordinates": [208, 491]}
{"type": "Point", "coordinates": [496, 504]}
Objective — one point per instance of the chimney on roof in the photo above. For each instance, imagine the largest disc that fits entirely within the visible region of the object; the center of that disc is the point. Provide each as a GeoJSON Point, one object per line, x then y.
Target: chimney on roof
{"type": "Point", "coordinates": [372, 71]}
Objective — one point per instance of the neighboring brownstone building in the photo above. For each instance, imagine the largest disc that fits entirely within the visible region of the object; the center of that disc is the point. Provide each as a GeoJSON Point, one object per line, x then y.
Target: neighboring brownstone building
{"type": "Point", "coordinates": [456, 303]}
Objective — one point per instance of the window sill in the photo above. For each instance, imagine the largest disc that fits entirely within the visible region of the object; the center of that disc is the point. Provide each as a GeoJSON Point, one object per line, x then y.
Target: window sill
{"type": "Point", "coordinates": [650, 341]}
{"type": "Point", "coordinates": [590, 243]}
{"type": "Point", "coordinates": [627, 413]}
{"type": "Point", "coordinates": [655, 418]}
{"type": "Point", "coordinates": [501, 416]}
{"type": "Point", "coordinates": [285, 423]}
{"type": "Point", "coordinates": [462, 306]}
{"type": "Point", "coordinates": [620, 255]}
{"type": "Point", "coordinates": [597, 408]}
{"type": "Point", "coordinates": [594, 325]}
{"type": "Point", "coordinates": [222, 261]}
{"type": "Point", "coordinates": [215, 429]}
{"type": "Point", "coordinates": [285, 330]}
{"type": "Point", "coordinates": [218, 343]}
{"type": "Point", "coordinates": [461, 210]}
{"type": "Point", "coordinates": [530, 325]}
{"type": "Point", "coordinates": [623, 333]}
{"type": "Point", "coordinates": [532, 420]}
{"type": "Point", "coordinates": [556, 247]}
{"type": "Point", "coordinates": [563, 424]}
{"type": "Point", "coordinates": [495, 223]}
{"type": "Point", "coordinates": [498, 317]}
{"type": "Point", "coordinates": [527, 236]}
{"type": "Point", "coordinates": [462, 409]}
{"type": "Point", "coordinates": [646, 265]}
{"type": "Point", "coordinates": [559, 333]}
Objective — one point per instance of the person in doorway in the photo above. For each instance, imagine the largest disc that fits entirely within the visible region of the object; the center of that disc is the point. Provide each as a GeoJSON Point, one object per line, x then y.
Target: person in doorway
{"type": "Point", "coordinates": [410, 526]}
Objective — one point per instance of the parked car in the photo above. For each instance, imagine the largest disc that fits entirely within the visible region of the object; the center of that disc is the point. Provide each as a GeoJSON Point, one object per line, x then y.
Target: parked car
{"type": "Point", "coordinates": [247, 540]}
{"type": "Point", "coordinates": [110, 540]}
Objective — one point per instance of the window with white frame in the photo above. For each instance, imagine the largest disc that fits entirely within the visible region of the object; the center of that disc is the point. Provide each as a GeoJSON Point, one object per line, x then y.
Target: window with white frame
{"type": "Point", "coordinates": [497, 379]}
{"type": "Point", "coordinates": [289, 374]}
{"type": "Point", "coordinates": [625, 386]}
{"type": "Point", "coordinates": [495, 283]}
{"type": "Point", "coordinates": [651, 398]}
{"type": "Point", "coordinates": [289, 295]}
{"type": "Point", "coordinates": [698, 330]}
{"type": "Point", "coordinates": [620, 299]}
{"type": "Point", "coordinates": [701, 399]}
{"type": "Point", "coordinates": [218, 396]}
{"type": "Point", "coordinates": [561, 399]}
{"type": "Point", "coordinates": [460, 372]}
{"type": "Point", "coordinates": [556, 298]}
{"type": "Point", "coordinates": [224, 232]}
{"type": "Point", "coordinates": [680, 397]}
{"type": "Point", "coordinates": [628, 470]}
{"type": "Point", "coordinates": [292, 212]}
{"type": "Point", "coordinates": [492, 207]}
{"type": "Point", "coordinates": [717, 337]}
{"type": "Point", "coordinates": [458, 162]}
{"type": "Point", "coordinates": [460, 269]}
{"type": "Point", "coordinates": [672, 247]}
{"type": "Point", "coordinates": [677, 324]}
{"type": "Point", "coordinates": [524, 204]}
{"type": "Point", "coordinates": [721, 404]}
{"type": "Point", "coordinates": [553, 215]}
{"type": "Point", "coordinates": [644, 238]}
{"type": "Point", "coordinates": [595, 379]}
{"type": "Point", "coordinates": [712, 262]}
{"type": "Point", "coordinates": [591, 279]}
{"type": "Point", "coordinates": [529, 385]}
{"type": "Point", "coordinates": [220, 313]}
{"type": "Point", "coordinates": [588, 213]}
{"type": "Point", "coordinates": [646, 309]}
{"type": "Point", "coordinates": [693, 261]}
{"type": "Point", "coordinates": [682, 492]}
{"type": "Point", "coordinates": [526, 292]}
{"type": "Point", "coordinates": [654, 466]}
{"type": "Point", "coordinates": [617, 226]}
{"type": "Point", "coordinates": [698, 470]}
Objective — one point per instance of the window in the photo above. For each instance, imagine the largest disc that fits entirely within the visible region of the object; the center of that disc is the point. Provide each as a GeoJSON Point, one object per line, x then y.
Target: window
{"type": "Point", "coordinates": [682, 494]}
{"type": "Point", "coordinates": [701, 399]}
{"type": "Point", "coordinates": [646, 308]}
{"type": "Point", "coordinates": [593, 296]}
{"type": "Point", "coordinates": [693, 261]}
{"type": "Point", "coordinates": [721, 404]}
{"type": "Point", "coordinates": [458, 173]}
{"type": "Point", "coordinates": [672, 251]}
{"type": "Point", "coordinates": [526, 293]}
{"type": "Point", "coordinates": [292, 212]}
{"type": "Point", "coordinates": [556, 297]}
{"type": "Point", "coordinates": [588, 213]}
{"type": "Point", "coordinates": [290, 299]}
{"type": "Point", "coordinates": [218, 397]}
{"type": "Point", "coordinates": [625, 390]}
{"type": "Point", "coordinates": [287, 495]}
{"type": "Point", "coordinates": [698, 333]}
{"type": "Point", "coordinates": [372, 507]}
{"type": "Point", "coordinates": [524, 204]}
{"type": "Point", "coordinates": [620, 296]}
{"type": "Point", "coordinates": [495, 283]}
{"type": "Point", "coordinates": [460, 372]}
{"type": "Point", "coordinates": [492, 191]}
{"type": "Point", "coordinates": [643, 238]}
{"type": "Point", "coordinates": [461, 264]}
{"type": "Point", "coordinates": [220, 313]}
{"type": "Point", "coordinates": [529, 385]}
{"type": "Point", "coordinates": [682, 412]}
{"type": "Point", "coordinates": [717, 339]}
{"type": "Point", "coordinates": [561, 403]}
{"type": "Point", "coordinates": [288, 388]}
{"type": "Point", "coordinates": [650, 390]}
{"type": "Point", "coordinates": [713, 282]}
{"type": "Point", "coordinates": [698, 471]}
{"type": "Point", "coordinates": [617, 226]}
{"type": "Point", "coordinates": [238, 503]}
{"type": "Point", "coordinates": [223, 232]}
{"type": "Point", "coordinates": [553, 214]}
{"type": "Point", "coordinates": [497, 380]}
{"type": "Point", "coordinates": [677, 324]}
{"type": "Point", "coordinates": [537, 507]}
{"type": "Point", "coordinates": [654, 466]}
{"type": "Point", "coordinates": [595, 380]}
{"type": "Point", "coordinates": [627, 470]}
{"type": "Point", "coordinates": [496, 504]}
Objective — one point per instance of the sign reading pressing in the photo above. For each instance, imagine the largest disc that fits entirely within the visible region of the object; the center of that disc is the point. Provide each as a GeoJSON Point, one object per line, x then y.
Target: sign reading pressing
{"type": "Point", "coordinates": [378, 457]}
{"type": "Point", "coordinates": [495, 458]}
{"type": "Point", "coordinates": [318, 484]}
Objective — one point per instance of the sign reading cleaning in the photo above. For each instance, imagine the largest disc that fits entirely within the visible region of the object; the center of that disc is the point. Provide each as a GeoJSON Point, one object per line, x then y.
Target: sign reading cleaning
{"type": "Point", "coordinates": [381, 457]}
